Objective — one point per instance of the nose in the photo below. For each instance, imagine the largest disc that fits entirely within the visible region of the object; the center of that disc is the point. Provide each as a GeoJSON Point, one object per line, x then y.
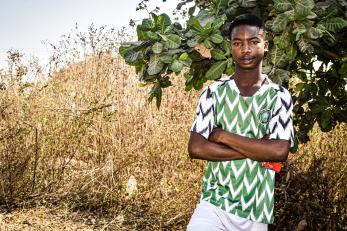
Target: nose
{"type": "Point", "coordinates": [245, 48]}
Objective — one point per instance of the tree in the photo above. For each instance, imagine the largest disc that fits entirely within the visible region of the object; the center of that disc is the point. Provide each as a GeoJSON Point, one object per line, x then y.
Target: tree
{"type": "Point", "coordinates": [307, 46]}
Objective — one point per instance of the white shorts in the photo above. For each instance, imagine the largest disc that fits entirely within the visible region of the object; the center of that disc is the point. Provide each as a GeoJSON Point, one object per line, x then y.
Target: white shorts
{"type": "Point", "coordinates": [207, 217]}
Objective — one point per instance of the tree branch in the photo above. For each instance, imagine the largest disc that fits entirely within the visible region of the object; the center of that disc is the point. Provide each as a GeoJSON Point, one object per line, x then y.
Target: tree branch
{"type": "Point", "coordinates": [326, 53]}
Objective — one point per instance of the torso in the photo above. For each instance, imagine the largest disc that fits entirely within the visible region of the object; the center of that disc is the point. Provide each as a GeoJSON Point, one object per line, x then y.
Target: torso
{"type": "Point", "coordinates": [241, 187]}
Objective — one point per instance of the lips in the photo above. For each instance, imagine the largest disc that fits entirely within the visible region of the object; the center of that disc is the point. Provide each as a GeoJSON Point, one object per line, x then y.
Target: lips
{"type": "Point", "coordinates": [247, 59]}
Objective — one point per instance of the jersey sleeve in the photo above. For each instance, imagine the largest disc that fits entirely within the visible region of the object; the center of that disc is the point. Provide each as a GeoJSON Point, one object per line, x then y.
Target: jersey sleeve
{"type": "Point", "coordinates": [281, 123]}
{"type": "Point", "coordinates": [204, 119]}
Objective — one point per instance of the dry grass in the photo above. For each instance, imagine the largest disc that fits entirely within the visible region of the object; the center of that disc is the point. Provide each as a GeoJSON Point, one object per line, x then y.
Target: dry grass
{"type": "Point", "coordinates": [45, 219]}
{"type": "Point", "coordinates": [71, 144]}
{"type": "Point", "coordinates": [313, 189]}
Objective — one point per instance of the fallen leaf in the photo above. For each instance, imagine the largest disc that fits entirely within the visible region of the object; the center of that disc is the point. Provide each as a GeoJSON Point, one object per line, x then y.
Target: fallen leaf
{"type": "Point", "coordinates": [301, 226]}
{"type": "Point", "coordinates": [204, 52]}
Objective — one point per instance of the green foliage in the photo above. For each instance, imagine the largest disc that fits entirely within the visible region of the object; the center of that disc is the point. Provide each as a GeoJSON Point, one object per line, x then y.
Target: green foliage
{"type": "Point", "coordinates": [334, 24]}
{"type": "Point", "coordinates": [302, 34]}
{"type": "Point", "coordinates": [216, 70]}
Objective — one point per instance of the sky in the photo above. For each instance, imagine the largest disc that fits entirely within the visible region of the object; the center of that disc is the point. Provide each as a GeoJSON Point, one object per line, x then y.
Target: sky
{"type": "Point", "coordinates": [26, 24]}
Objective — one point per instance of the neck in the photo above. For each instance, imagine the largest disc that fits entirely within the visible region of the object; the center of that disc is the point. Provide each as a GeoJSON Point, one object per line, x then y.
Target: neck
{"type": "Point", "coordinates": [245, 77]}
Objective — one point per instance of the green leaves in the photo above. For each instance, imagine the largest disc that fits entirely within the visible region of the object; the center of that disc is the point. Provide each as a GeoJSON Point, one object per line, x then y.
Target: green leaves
{"type": "Point", "coordinates": [216, 38]}
{"type": "Point", "coordinates": [194, 23]}
{"type": "Point", "coordinates": [151, 36]}
{"type": "Point", "coordinates": [208, 44]}
{"type": "Point", "coordinates": [161, 22]}
{"type": "Point", "coordinates": [279, 75]}
{"type": "Point", "coordinates": [156, 92]}
{"type": "Point", "coordinates": [315, 33]}
{"type": "Point", "coordinates": [280, 23]}
{"type": "Point", "coordinates": [171, 41]}
{"type": "Point", "coordinates": [324, 118]}
{"type": "Point", "coordinates": [303, 7]}
{"type": "Point", "coordinates": [230, 67]}
{"type": "Point", "coordinates": [176, 66]}
{"type": "Point", "coordinates": [192, 42]}
{"type": "Point", "coordinates": [166, 58]}
{"type": "Point", "coordinates": [218, 54]}
{"type": "Point", "coordinates": [155, 65]}
{"type": "Point", "coordinates": [299, 30]}
{"type": "Point", "coordinates": [216, 70]}
{"type": "Point", "coordinates": [248, 3]}
{"type": "Point", "coordinates": [157, 53]}
{"type": "Point", "coordinates": [278, 57]}
{"type": "Point", "coordinates": [335, 24]}
{"type": "Point", "coordinates": [283, 5]}
{"type": "Point", "coordinates": [300, 33]}
{"type": "Point", "coordinates": [150, 28]}
{"type": "Point", "coordinates": [157, 48]}
{"type": "Point", "coordinates": [131, 52]}
{"type": "Point", "coordinates": [300, 86]}
{"type": "Point", "coordinates": [218, 23]}
{"type": "Point", "coordinates": [132, 56]}
{"type": "Point", "coordinates": [305, 46]}
{"type": "Point", "coordinates": [183, 61]}
{"type": "Point", "coordinates": [205, 17]}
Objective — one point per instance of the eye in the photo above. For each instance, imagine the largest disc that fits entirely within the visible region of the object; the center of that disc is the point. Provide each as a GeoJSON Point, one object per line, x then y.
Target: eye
{"type": "Point", "coordinates": [254, 42]}
{"type": "Point", "coordinates": [236, 44]}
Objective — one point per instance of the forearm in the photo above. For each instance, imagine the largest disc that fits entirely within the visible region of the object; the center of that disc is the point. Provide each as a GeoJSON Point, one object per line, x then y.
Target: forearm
{"type": "Point", "coordinates": [256, 149]}
{"type": "Point", "coordinates": [200, 148]}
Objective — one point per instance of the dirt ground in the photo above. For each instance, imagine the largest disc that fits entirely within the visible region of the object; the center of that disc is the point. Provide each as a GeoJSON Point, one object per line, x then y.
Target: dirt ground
{"type": "Point", "coordinates": [45, 219]}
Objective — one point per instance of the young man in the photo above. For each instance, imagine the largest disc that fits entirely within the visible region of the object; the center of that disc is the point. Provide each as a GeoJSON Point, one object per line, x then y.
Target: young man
{"type": "Point", "coordinates": [240, 122]}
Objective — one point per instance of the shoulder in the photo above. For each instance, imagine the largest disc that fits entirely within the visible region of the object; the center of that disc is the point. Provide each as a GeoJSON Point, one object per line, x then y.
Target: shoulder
{"type": "Point", "coordinates": [284, 98]}
{"type": "Point", "coordinates": [280, 91]}
{"type": "Point", "coordinates": [210, 89]}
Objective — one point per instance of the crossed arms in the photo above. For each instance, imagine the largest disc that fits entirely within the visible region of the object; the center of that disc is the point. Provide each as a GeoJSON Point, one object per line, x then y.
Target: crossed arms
{"type": "Point", "coordinates": [222, 145]}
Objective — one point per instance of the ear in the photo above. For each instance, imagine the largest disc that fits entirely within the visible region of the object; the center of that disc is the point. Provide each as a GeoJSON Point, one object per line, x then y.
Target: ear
{"type": "Point", "coordinates": [266, 45]}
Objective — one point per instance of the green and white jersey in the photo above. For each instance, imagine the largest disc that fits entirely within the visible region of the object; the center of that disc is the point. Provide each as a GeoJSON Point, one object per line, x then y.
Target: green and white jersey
{"type": "Point", "coordinates": [243, 187]}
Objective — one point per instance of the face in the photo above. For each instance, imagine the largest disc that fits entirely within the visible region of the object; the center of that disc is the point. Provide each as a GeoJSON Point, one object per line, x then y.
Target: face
{"type": "Point", "coordinates": [247, 46]}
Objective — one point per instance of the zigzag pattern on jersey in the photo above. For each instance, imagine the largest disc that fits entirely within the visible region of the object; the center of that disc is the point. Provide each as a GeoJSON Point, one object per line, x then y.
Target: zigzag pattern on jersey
{"type": "Point", "coordinates": [241, 187]}
{"type": "Point", "coordinates": [204, 121]}
{"type": "Point", "coordinates": [248, 192]}
{"type": "Point", "coordinates": [283, 111]}
{"type": "Point", "coordinates": [239, 115]}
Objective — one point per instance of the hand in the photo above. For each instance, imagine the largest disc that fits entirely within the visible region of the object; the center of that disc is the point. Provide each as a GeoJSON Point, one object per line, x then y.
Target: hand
{"type": "Point", "coordinates": [275, 166]}
{"type": "Point", "coordinates": [216, 135]}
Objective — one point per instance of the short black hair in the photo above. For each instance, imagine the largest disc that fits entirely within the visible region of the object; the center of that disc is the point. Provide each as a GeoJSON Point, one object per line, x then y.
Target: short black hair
{"type": "Point", "coordinates": [245, 19]}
